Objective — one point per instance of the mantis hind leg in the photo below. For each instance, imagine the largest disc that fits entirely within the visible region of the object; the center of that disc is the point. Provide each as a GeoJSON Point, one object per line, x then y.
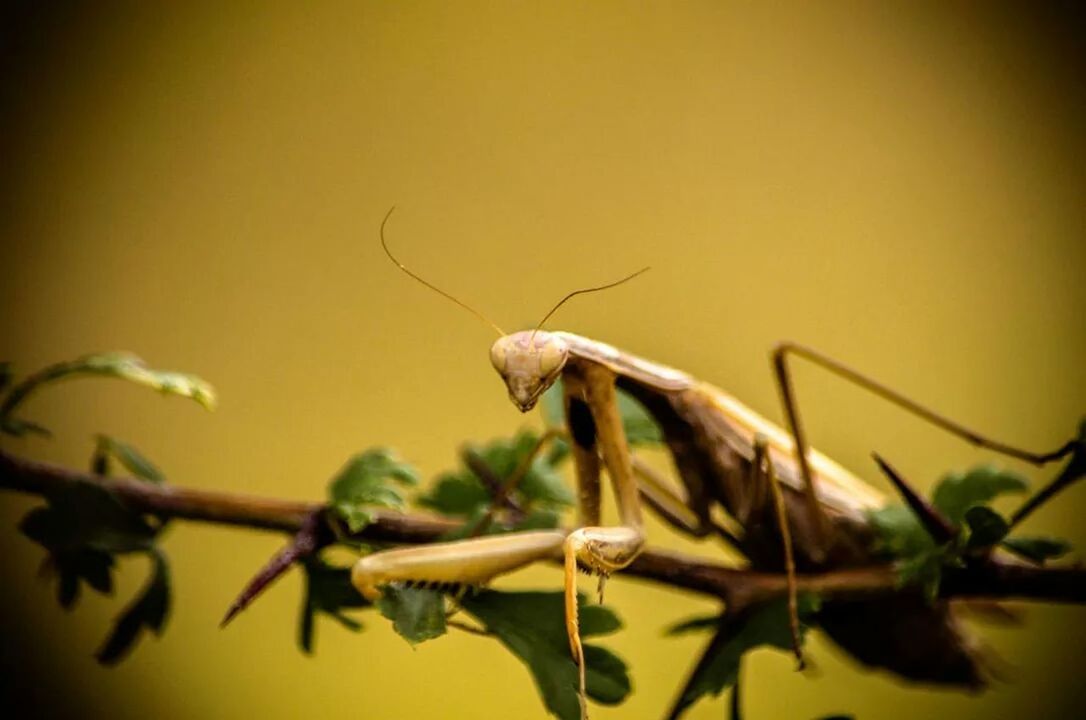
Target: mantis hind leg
{"type": "Point", "coordinates": [783, 377]}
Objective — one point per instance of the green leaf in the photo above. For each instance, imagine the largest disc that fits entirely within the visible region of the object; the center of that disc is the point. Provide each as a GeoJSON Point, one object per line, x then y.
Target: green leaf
{"type": "Point", "coordinates": [532, 626]}
{"type": "Point", "coordinates": [83, 516]}
{"type": "Point", "coordinates": [693, 624]}
{"type": "Point", "coordinates": [924, 570]}
{"type": "Point", "coordinates": [957, 492]}
{"type": "Point", "coordinates": [417, 614]}
{"type": "Point", "coordinates": [328, 590]}
{"type": "Point", "coordinates": [1038, 549]}
{"type": "Point", "coordinates": [718, 668]}
{"type": "Point", "coordinates": [462, 493]}
{"type": "Point", "coordinates": [149, 611]}
{"type": "Point", "coordinates": [366, 481]}
{"type": "Point", "coordinates": [898, 532]}
{"type": "Point", "coordinates": [130, 458]}
{"type": "Point", "coordinates": [20, 428]}
{"type": "Point", "coordinates": [986, 526]}
{"type": "Point", "coordinates": [640, 428]}
{"type": "Point", "coordinates": [125, 366]}
{"type": "Point", "coordinates": [457, 494]}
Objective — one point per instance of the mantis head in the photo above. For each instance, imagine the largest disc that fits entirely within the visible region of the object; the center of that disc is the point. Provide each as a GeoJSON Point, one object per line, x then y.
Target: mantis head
{"type": "Point", "coordinates": [529, 363]}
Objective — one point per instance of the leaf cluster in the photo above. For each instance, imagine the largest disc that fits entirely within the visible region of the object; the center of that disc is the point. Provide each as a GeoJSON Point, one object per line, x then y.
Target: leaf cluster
{"type": "Point", "coordinates": [83, 528]}
{"type": "Point", "coordinates": [964, 499]}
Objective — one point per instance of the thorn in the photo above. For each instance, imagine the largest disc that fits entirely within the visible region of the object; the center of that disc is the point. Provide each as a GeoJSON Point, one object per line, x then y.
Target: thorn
{"type": "Point", "coordinates": [939, 528]}
{"type": "Point", "coordinates": [313, 536]}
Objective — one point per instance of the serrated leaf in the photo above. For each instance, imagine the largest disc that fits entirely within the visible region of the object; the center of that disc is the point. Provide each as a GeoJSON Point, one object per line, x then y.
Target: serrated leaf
{"type": "Point", "coordinates": [462, 493]}
{"type": "Point", "coordinates": [369, 479]}
{"type": "Point", "coordinates": [328, 590]}
{"type": "Point", "coordinates": [957, 492]}
{"type": "Point", "coordinates": [532, 626]}
{"type": "Point", "coordinates": [1037, 548]}
{"type": "Point", "coordinates": [131, 459]}
{"type": "Point", "coordinates": [718, 668]}
{"type": "Point", "coordinates": [417, 614]}
{"type": "Point", "coordinates": [149, 611]}
{"type": "Point", "coordinates": [986, 526]}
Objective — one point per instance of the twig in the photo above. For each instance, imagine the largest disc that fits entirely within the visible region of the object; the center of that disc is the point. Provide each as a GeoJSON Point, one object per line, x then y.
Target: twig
{"type": "Point", "coordinates": [987, 577]}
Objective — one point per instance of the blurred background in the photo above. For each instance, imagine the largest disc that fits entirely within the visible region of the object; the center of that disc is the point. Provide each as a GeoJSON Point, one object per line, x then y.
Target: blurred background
{"type": "Point", "coordinates": [900, 185]}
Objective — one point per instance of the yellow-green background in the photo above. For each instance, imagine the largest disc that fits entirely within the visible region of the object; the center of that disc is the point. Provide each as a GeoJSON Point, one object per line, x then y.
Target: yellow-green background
{"type": "Point", "coordinates": [900, 185]}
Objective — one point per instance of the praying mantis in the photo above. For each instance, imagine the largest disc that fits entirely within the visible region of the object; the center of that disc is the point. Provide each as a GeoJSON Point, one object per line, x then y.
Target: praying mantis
{"type": "Point", "coordinates": [795, 506]}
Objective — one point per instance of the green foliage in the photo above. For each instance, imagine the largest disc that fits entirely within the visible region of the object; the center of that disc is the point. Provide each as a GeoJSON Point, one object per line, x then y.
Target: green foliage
{"type": "Point", "coordinates": [365, 482]}
{"type": "Point", "coordinates": [328, 590]}
{"type": "Point", "coordinates": [125, 366]}
{"type": "Point", "coordinates": [963, 499]}
{"type": "Point", "coordinates": [640, 428]}
{"type": "Point", "coordinates": [986, 527]}
{"type": "Point", "coordinates": [957, 492]}
{"type": "Point", "coordinates": [1037, 548]}
{"type": "Point", "coordinates": [417, 614]}
{"type": "Point", "coordinates": [718, 667]}
{"type": "Point", "coordinates": [129, 457]}
{"type": "Point", "coordinates": [148, 611]}
{"type": "Point", "coordinates": [532, 626]}
{"type": "Point", "coordinates": [541, 494]}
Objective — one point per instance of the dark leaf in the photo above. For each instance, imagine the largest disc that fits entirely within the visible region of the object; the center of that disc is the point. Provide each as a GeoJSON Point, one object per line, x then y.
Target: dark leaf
{"type": "Point", "coordinates": [328, 590]}
{"type": "Point", "coordinates": [417, 614]}
{"type": "Point", "coordinates": [81, 565]}
{"type": "Point", "coordinates": [1038, 549]}
{"type": "Point", "coordinates": [986, 526]}
{"type": "Point", "coordinates": [149, 611]}
{"type": "Point", "coordinates": [85, 516]}
{"type": "Point", "coordinates": [957, 492]}
{"type": "Point", "coordinates": [532, 626]}
{"type": "Point", "coordinates": [67, 588]}
{"type": "Point", "coordinates": [5, 375]}
{"type": "Point", "coordinates": [718, 667]}
{"type": "Point", "coordinates": [131, 459]}
{"type": "Point", "coordinates": [369, 479]}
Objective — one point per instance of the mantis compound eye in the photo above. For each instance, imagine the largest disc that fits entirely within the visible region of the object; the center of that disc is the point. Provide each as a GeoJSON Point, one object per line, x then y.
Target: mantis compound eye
{"type": "Point", "coordinates": [552, 356]}
{"type": "Point", "coordinates": [498, 355]}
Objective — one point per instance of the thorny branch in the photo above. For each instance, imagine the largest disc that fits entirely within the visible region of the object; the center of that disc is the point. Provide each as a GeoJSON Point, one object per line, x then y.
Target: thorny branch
{"type": "Point", "coordinates": [987, 577]}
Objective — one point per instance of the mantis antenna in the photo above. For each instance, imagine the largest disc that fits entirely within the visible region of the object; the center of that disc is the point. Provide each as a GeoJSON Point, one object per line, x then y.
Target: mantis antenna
{"type": "Point", "coordinates": [583, 291]}
{"type": "Point", "coordinates": [436, 289]}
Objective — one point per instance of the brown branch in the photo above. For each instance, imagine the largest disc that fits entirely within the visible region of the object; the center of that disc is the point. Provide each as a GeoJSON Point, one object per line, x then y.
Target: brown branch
{"type": "Point", "coordinates": [986, 577]}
